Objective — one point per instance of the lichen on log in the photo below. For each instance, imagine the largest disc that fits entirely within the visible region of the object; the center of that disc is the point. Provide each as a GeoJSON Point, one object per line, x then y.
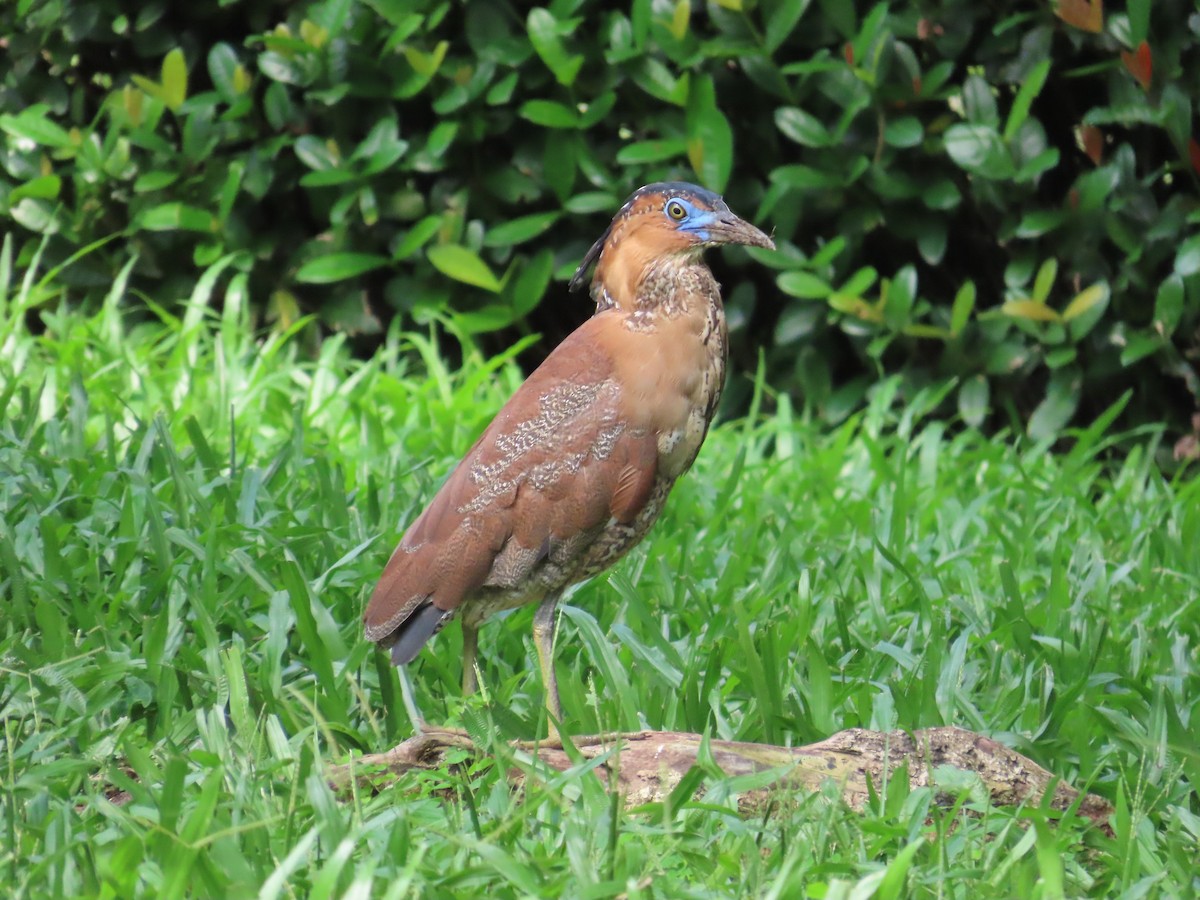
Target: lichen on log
{"type": "Point", "coordinates": [647, 765]}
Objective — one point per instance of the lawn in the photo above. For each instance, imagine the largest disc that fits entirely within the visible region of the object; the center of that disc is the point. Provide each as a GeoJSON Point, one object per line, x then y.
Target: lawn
{"type": "Point", "coordinates": [194, 513]}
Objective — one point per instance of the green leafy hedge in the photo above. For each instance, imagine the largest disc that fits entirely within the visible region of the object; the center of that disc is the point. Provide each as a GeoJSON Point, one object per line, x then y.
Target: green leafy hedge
{"type": "Point", "coordinates": [1004, 193]}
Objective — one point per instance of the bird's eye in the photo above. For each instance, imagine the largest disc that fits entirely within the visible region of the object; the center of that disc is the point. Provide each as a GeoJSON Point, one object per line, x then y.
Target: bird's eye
{"type": "Point", "coordinates": [675, 210]}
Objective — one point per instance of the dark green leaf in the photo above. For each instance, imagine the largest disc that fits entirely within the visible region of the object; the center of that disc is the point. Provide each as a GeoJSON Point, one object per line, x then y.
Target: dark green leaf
{"type": "Point", "coordinates": [802, 127]}
{"type": "Point", "coordinates": [803, 284]}
{"type": "Point", "coordinates": [979, 104]}
{"type": "Point", "coordinates": [417, 237]}
{"type": "Point", "coordinates": [1187, 258]}
{"type": "Point", "coordinates": [44, 188]}
{"type": "Point", "coordinates": [860, 281]}
{"type": "Point", "coordinates": [529, 287]}
{"type": "Point", "coordinates": [1044, 280]}
{"type": "Point", "coordinates": [802, 177]}
{"type": "Point", "coordinates": [780, 21]}
{"type": "Point", "coordinates": [520, 230]}
{"type": "Point", "coordinates": [901, 294]}
{"type": "Point", "coordinates": [710, 139]}
{"type": "Point", "coordinates": [979, 149]}
{"type": "Point", "coordinates": [1058, 406]}
{"type": "Point", "coordinates": [544, 31]}
{"type": "Point", "coordinates": [222, 69]}
{"type": "Point", "coordinates": [339, 267]}
{"type": "Point", "coordinates": [1168, 305]}
{"type": "Point", "coordinates": [905, 131]}
{"type": "Point", "coordinates": [176, 216]}
{"type": "Point", "coordinates": [1139, 346]}
{"type": "Point", "coordinates": [1028, 92]}
{"type": "Point", "coordinates": [316, 154]}
{"type": "Point", "coordinates": [33, 124]}
{"type": "Point", "coordinates": [644, 152]}
{"type": "Point", "coordinates": [931, 241]}
{"type": "Point", "coordinates": [549, 114]}
{"type": "Point", "coordinates": [592, 202]}
{"type": "Point", "coordinates": [964, 304]}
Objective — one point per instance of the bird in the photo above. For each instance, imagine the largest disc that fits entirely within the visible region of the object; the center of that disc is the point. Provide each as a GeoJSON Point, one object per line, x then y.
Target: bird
{"type": "Point", "coordinates": [576, 467]}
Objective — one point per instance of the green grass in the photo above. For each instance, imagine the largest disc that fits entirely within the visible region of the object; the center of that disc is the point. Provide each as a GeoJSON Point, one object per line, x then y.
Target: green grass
{"type": "Point", "coordinates": [192, 519]}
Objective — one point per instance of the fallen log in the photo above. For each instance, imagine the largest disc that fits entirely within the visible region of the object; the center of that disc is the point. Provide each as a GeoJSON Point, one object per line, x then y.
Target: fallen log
{"type": "Point", "coordinates": [647, 765]}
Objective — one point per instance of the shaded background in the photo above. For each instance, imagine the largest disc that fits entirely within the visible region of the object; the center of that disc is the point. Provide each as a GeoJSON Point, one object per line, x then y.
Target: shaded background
{"type": "Point", "coordinates": [998, 196]}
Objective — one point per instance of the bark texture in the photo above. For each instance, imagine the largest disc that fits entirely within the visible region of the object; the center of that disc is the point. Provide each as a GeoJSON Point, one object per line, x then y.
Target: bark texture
{"type": "Point", "coordinates": [647, 765]}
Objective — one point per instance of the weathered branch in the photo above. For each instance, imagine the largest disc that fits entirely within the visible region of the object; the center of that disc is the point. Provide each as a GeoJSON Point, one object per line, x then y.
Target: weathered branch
{"type": "Point", "coordinates": [648, 764]}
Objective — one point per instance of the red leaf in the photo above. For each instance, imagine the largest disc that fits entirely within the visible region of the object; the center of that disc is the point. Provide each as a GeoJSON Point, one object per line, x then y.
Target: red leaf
{"type": "Point", "coordinates": [1194, 154]}
{"type": "Point", "coordinates": [1140, 64]}
{"type": "Point", "coordinates": [1087, 15]}
{"type": "Point", "coordinates": [1091, 140]}
{"type": "Point", "coordinates": [848, 52]}
{"type": "Point", "coordinates": [927, 29]}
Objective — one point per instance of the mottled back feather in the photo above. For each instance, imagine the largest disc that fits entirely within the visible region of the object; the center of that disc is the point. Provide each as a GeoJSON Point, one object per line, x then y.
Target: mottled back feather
{"type": "Point", "coordinates": [561, 458]}
{"type": "Point", "coordinates": [576, 467]}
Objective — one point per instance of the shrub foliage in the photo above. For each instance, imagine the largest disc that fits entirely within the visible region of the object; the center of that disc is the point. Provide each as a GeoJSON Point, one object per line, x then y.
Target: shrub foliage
{"type": "Point", "coordinates": [1004, 193]}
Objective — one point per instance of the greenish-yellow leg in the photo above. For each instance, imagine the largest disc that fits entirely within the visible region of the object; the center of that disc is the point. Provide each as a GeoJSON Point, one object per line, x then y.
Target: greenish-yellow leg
{"type": "Point", "coordinates": [470, 646]}
{"type": "Point", "coordinates": [544, 622]}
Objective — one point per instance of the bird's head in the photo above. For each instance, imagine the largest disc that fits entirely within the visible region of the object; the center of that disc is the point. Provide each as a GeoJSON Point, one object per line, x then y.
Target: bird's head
{"type": "Point", "coordinates": [669, 219]}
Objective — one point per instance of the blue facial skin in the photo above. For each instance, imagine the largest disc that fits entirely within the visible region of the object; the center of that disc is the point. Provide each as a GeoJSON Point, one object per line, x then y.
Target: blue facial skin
{"type": "Point", "coordinates": [695, 222]}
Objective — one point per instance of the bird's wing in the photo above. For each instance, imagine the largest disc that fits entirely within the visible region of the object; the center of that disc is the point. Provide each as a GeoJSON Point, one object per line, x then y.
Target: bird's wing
{"type": "Point", "coordinates": [563, 457]}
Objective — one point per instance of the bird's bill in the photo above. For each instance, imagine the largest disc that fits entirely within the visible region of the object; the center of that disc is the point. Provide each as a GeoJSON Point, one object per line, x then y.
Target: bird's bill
{"type": "Point", "coordinates": [729, 229]}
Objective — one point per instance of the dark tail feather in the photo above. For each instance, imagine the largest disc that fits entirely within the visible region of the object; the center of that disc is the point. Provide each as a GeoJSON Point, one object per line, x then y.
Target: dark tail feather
{"type": "Point", "coordinates": [415, 631]}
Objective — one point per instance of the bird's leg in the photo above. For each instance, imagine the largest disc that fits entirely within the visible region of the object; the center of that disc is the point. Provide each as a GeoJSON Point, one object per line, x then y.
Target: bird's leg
{"type": "Point", "coordinates": [544, 622]}
{"type": "Point", "coordinates": [470, 633]}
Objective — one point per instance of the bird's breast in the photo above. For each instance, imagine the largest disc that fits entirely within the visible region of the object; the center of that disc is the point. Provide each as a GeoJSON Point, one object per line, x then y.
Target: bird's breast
{"type": "Point", "coordinates": [672, 371]}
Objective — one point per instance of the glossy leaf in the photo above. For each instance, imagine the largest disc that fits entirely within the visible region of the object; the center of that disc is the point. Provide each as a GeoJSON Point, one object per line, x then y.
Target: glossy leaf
{"type": "Point", "coordinates": [1169, 304]}
{"type": "Point", "coordinates": [461, 264]}
{"type": "Point", "coordinates": [644, 152]}
{"type": "Point", "coordinates": [680, 17]}
{"type": "Point", "coordinates": [1058, 406]}
{"type": "Point", "coordinates": [45, 187]}
{"type": "Point", "coordinates": [176, 217]}
{"type": "Point", "coordinates": [1044, 280]}
{"type": "Point", "coordinates": [1187, 258]}
{"type": "Point", "coordinates": [960, 311]}
{"type": "Point", "coordinates": [339, 267]}
{"type": "Point", "coordinates": [905, 131]}
{"type": "Point", "coordinates": [417, 237]}
{"type": "Point", "coordinates": [710, 139]}
{"type": "Point", "coordinates": [803, 284]}
{"type": "Point", "coordinates": [1030, 88]}
{"type": "Point", "coordinates": [973, 397]}
{"type": "Point", "coordinates": [1030, 309]}
{"type": "Point", "coordinates": [979, 149]}
{"type": "Point", "coordinates": [317, 154]}
{"type": "Point", "coordinates": [549, 114]}
{"type": "Point", "coordinates": [782, 18]}
{"type": "Point", "coordinates": [529, 287]}
{"type": "Point", "coordinates": [899, 298]}
{"type": "Point", "coordinates": [1139, 346]}
{"type": "Point", "coordinates": [802, 127]}
{"type": "Point", "coordinates": [34, 125]}
{"type": "Point", "coordinates": [223, 68]}
{"type": "Point", "coordinates": [1085, 301]}
{"type": "Point", "coordinates": [520, 230]}
{"type": "Point", "coordinates": [174, 80]}
{"type": "Point", "coordinates": [543, 31]}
